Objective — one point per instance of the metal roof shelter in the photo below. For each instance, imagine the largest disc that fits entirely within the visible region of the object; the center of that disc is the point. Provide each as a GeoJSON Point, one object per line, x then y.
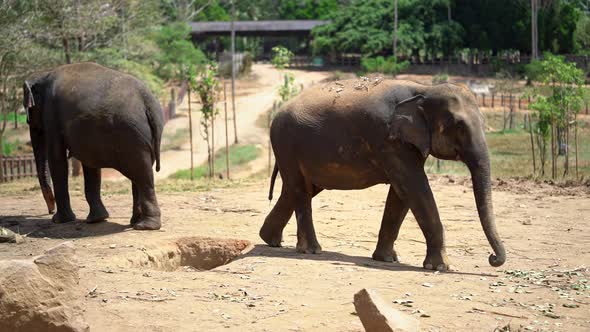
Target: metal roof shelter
{"type": "Point", "coordinates": [255, 28]}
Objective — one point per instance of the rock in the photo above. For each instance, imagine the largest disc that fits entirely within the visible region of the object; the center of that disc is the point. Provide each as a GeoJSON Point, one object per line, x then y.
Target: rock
{"type": "Point", "coordinates": [43, 293]}
{"type": "Point", "coordinates": [377, 316]}
{"type": "Point", "coordinates": [8, 236]}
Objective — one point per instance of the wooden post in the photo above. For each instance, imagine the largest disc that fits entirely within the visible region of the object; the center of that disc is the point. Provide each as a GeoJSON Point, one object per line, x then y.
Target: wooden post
{"type": "Point", "coordinates": [226, 133]}
{"type": "Point", "coordinates": [483, 99]}
{"type": "Point", "coordinates": [213, 142]}
{"type": "Point", "coordinates": [1, 161]}
{"type": "Point", "coordinates": [576, 139]}
{"type": "Point", "coordinates": [493, 97]}
{"type": "Point", "coordinates": [532, 143]}
{"type": "Point", "coordinates": [190, 128]}
{"type": "Point", "coordinates": [233, 70]}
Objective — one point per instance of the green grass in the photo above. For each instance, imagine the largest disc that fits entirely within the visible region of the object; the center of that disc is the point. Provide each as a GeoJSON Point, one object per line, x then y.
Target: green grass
{"type": "Point", "coordinates": [9, 148]}
{"type": "Point", "coordinates": [176, 140]}
{"type": "Point", "coordinates": [238, 155]}
{"type": "Point", "coordinates": [20, 118]}
{"type": "Point", "coordinates": [510, 152]}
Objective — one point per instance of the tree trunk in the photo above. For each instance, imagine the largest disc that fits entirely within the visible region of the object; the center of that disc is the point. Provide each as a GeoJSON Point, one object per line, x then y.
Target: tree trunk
{"type": "Point", "coordinates": [213, 144]}
{"type": "Point", "coordinates": [532, 144]}
{"type": "Point", "coordinates": [226, 131]}
{"type": "Point", "coordinates": [553, 149]}
{"type": "Point", "coordinates": [576, 139]}
{"type": "Point", "coordinates": [395, 29]}
{"type": "Point", "coordinates": [233, 70]}
{"type": "Point", "coordinates": [66, 46]}
{"type": "Point", "coordinates": [1, 157]}
{"type": "Point", "coordinates": [190, 128]}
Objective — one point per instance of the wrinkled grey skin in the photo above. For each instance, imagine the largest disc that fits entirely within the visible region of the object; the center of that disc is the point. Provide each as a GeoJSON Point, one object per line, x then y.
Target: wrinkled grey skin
{"type": "Point", "coordinates": [104, 118]}
{"type": "Point", "coordinates": [356, 134]}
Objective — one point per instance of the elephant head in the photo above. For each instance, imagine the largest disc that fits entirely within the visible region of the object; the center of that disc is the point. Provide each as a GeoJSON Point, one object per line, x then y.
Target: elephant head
{"type": "Point", "coordinates": [33, 92]}
{"type": "Point", "coordinates": [445, 121]}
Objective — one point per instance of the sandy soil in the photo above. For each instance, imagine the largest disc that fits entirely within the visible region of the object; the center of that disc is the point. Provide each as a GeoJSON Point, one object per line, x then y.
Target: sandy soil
{"type": "Point", "coordinates": [275, 289]}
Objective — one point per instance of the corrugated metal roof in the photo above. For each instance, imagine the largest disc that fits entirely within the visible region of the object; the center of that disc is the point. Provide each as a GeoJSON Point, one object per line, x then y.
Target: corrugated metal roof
{"type": "Point", "coordinates": [252, 26]}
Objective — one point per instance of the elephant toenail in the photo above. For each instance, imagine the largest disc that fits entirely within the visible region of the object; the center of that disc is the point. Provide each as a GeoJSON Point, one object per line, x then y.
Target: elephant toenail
{"type": "Point", "coordinates": [441, 267]}
{"type": "Point", "coordinates": [428, 266]}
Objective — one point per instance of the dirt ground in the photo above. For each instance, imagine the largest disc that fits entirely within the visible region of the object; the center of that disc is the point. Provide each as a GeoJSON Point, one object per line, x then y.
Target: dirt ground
{"type": "Point", "coordinates": [133, 284]}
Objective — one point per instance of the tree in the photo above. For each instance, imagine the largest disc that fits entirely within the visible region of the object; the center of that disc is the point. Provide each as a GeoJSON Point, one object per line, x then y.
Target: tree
{"type": "Point", "coordinates": [207, 86]}
{"type": "Point", "coordinates": [558, 109]}
{"type": "Point", "coordinates": [582, 35]}
{"type": "Point", "coordinates": [178, 54]}
{"type": "Point", "coordinates": [17, 59]}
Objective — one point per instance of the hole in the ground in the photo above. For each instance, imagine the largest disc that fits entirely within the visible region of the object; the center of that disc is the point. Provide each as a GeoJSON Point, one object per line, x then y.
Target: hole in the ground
{"type": "Point", "coordinates": [190, 253]}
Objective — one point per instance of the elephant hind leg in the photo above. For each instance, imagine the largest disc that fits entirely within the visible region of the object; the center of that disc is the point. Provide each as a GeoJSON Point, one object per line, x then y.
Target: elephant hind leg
{"type": "Point", "coordinates": [272, 229]}
{"type": "Point", "coordinates": [92, 179]}
{"type": "Point", "coordinates": [146, 212]}
{"type": "Point", "coordinates": [136, 215]}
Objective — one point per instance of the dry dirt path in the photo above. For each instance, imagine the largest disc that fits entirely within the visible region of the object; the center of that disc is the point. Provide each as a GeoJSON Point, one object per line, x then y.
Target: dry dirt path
{"type": "Point", "coordinates": [276, 289]}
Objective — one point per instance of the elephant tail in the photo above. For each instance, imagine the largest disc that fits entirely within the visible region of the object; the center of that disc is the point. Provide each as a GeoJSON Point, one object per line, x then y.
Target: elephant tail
{"type": "Point", "coordinates": [273, 177]}
{"type": "Point", "coordinates": [154, 116]}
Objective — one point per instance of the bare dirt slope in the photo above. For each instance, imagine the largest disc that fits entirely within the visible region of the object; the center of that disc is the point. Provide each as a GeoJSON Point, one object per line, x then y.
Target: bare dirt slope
{"type": "Point", "coordinates": [543, 285]}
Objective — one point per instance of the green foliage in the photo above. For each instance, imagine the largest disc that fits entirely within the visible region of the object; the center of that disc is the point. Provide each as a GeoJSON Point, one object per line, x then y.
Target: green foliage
{"type": "Point", "coordinates": [288, 90]}
{"type": "Point", "coordinates": [533, 70]}
{"type": "Point", "coordinates": [582, 35]}
{"type": "Point", "coordinates": [440, 78]}
{"type": "Point", "coordinates": [383, 65]}
{"type": "Point", "coordinates": [238, 155]}
{"type": "Point", "coordinates": [566, 95]}
{"type": "Point", "coordinates": [208, 88]}
{"type": "Point", "coordinates": [9, 117]}
{"type": "Point", "coordinates": [178, 56]}
{"type": "Point", "coordinates": [280, 57]}
{"type": "Point", "coordinates": [424, 28]}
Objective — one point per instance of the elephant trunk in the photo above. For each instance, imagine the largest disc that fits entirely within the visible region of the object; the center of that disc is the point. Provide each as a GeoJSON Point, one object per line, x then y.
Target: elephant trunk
{"type": "Point", "coordinates": [479, 166]}
{"type": "Point", "coordinates": [40, 151]}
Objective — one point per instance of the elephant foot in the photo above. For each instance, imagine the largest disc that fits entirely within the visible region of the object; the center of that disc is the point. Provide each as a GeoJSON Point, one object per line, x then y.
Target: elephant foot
{"type": "Point", "coordinates": [96, 216]}
{"type": "Point", "coordinates": [437, 260]}
{"type": "Point", "coordinates": [305, 248]}
{"type": "Point", "coordinates": [62, 218]}
{"type": "Point", "coordinates": [272, 238]}
{"type": "Point", "coordinates": [385, 256]}
{"type": "Point", "coordinates": [148, 223]}
{"type": "Point", "coordinates": [134, 219]}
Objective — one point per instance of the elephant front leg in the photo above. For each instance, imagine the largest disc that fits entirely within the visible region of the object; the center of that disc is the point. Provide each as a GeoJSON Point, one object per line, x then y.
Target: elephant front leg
{"type": "Point", "coordinates": [393, 216]}
{"type": "Point", "coordinates": [58, 165]}
{"type": "Point", "coordinates": [421, 202]}
{"type": "Point", "coordinates": [92, 179]}
{"type": "Point", "coordinates": [410, 183]}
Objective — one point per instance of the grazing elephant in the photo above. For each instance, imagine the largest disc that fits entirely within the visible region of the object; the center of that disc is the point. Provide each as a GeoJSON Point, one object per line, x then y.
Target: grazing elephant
{"type": "Point", "coordinates": [104, 118]}
{"type": "Point", "coordinates": [358, 133]}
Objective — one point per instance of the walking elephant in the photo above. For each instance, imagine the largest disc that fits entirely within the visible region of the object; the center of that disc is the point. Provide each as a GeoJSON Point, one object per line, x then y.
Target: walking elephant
{"type": "Point", "coordinates": [358, 133]}
{"type": "Point", "coordinates": [104, 118]}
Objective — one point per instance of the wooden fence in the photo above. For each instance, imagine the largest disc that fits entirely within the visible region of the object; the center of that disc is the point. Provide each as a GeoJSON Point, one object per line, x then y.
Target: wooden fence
{"type": "Point", "coordinates": [17, 167]}
{"type": "Point", "coordinates": [518, 102]}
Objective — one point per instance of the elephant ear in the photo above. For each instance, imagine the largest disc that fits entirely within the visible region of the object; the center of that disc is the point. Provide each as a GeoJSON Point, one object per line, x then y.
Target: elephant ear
{"type": "Point", "coordinates": [408, 124]}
